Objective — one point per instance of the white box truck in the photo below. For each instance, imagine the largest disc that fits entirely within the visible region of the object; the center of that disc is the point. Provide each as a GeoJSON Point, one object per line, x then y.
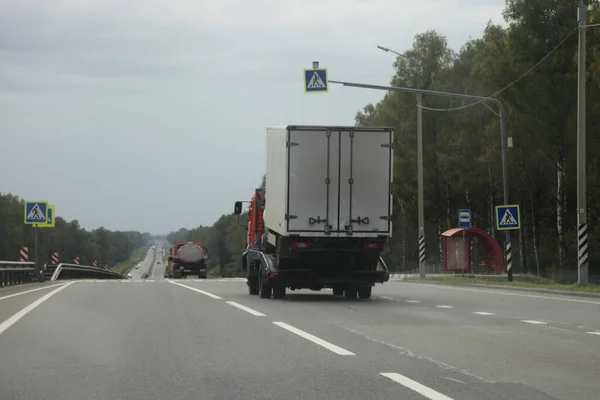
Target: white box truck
{"type": "Point", "coordinates": [325, 213]}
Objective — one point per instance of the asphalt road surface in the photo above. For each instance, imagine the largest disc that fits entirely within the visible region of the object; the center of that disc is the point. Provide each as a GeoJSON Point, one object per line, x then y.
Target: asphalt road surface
{"type": "Point", "coordinates": [209, 339]}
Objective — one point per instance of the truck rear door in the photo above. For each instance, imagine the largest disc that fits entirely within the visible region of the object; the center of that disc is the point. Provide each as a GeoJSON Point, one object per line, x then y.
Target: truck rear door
{"type": "Point", "coordinates": [366, 162]}
{"type": "Point", "coordinates": [313, 164]}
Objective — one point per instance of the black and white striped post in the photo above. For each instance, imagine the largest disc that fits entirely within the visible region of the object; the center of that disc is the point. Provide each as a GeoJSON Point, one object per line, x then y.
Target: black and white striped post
{"type": "Point", "coordinates": [509, 260]}
{"type": "Point", "coordinates": [421, 249]}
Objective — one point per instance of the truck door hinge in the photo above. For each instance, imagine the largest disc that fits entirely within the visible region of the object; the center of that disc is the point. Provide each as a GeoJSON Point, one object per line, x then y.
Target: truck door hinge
{"type": "Point", "coordinates": [386, 145]}
{"type": "Point", "coordinates": [288, 217]}
{"type": "Point", "coordinates": [290, 144]}
{"type": "Point", "coordinates": [386, 217]}
{"type": "Point", "coordinates": [348, 229]}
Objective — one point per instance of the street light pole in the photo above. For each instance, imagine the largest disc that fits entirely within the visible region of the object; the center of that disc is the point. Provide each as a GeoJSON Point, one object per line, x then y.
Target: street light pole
{"type": "Point", "coordinates": [503, 137]}
{"type": "Point", "coordinates": [420, 194]}
{"type": "Point", "coordinates": [582, 242]}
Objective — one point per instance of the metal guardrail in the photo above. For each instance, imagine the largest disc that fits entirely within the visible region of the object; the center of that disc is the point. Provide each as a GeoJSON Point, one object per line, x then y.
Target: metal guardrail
{"type": "Point", "coordinates": [74, 271]}
{"type": "Point", "coordinates": [16, 273]}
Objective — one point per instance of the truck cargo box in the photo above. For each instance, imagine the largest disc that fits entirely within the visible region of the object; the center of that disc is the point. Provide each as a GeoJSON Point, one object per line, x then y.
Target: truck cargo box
{"type": "Point", "coordinates": [329, 181]}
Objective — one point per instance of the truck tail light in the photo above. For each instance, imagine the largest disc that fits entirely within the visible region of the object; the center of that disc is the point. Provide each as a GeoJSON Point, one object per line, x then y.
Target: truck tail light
{"type": "Point", "coordinates": [372, 245]}
{"type": "Point", "coordinates": [301, 245]}
{"type": "Point", "coordinates": [386, 277]}
{"type": "Point", "coordinates": [271, 276]}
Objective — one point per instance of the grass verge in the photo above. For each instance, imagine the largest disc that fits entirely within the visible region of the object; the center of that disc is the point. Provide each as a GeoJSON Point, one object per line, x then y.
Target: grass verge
{"type": "Point", "coordinates": [530, 281]}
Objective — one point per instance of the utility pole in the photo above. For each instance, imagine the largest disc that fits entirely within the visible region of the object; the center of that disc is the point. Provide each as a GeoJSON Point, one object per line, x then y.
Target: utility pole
{"type": "Point", "coordinates": [420, 195]}
{"type": "Point", "coordinates": [582, 237]}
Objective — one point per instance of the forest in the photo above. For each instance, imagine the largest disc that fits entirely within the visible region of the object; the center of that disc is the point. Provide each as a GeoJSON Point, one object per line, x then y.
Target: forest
{"type": "Point", "coordinates": [530, 66]}
{"type": "Point", "coordinates": [67, 239]}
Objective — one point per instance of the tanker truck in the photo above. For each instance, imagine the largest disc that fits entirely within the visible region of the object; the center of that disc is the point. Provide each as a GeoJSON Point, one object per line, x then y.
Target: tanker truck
{"type": "Point", "coordinates": [325, 213]}
{"type": "Point", "coordinates": [188, 258]}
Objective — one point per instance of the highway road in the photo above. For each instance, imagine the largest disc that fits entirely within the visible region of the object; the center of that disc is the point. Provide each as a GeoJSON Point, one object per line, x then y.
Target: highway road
{"type": "Point", "coordinates": [209, 339]}
{"type": "Point", "coordinates": [154, 271]}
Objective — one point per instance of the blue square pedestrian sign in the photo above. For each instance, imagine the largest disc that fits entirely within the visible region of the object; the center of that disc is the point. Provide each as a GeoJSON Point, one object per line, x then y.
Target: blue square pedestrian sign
{"type": "Point", "coordinates": [36, 212]}
{"type": "Point", "coordinates": [315, 80]}
{"type": "Point", "coordinates": [508, 217]}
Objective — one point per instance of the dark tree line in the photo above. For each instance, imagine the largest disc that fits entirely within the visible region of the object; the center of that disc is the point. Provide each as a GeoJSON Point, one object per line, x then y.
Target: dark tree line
{"type": "Point", "coordinates": [462, 163]}
{"type": "Point", "coordinates": [66, 238]}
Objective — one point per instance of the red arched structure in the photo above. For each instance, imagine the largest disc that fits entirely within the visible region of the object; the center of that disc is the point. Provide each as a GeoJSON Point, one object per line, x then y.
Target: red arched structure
{"type": "Point", "coordinates": [453, 246]}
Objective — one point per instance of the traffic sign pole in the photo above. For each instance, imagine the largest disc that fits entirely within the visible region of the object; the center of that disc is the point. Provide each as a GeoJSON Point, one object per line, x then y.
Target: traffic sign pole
{"type": "Point", "coordinates": [35, 246]}
{"type": "Point", "coordinates": [464, 221]}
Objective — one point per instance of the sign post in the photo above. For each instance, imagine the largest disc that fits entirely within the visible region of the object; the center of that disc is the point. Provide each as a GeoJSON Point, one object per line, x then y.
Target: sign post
{"type": "Point", "coordinates": [36, 213]}
{"type": "Point", "coordinates": [508, 217]}
{"type": "Point", "coordinates": [464, 221]}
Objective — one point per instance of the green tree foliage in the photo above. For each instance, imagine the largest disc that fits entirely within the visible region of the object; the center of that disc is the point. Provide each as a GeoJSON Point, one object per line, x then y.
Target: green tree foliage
{"type": "Point", "coordinates": [66, 238]}
{"type": "Point", "coordinates": [462, 163]}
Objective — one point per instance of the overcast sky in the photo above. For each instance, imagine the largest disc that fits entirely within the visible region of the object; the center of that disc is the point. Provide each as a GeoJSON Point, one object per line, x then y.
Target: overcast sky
{"type": "Point", "coordinates": [150, 115]}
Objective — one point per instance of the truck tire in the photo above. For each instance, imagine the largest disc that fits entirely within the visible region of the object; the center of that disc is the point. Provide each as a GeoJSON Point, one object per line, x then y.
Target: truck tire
{"type": "Point", "coordinates": [364, 292]}
{"type": "Point", "coordinates": [338, 291]}
{"type": "Point", "coordinates": [279, 291]}
{"type": "Point", "coordinates": [350, 293]}
{"type": "Point", "coordinates": [253, 285]}
{"type": "Point", "coordinates": [264, 289]}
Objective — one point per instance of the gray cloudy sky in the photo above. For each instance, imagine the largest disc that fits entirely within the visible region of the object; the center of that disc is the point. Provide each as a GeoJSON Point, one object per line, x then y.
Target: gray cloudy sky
{"type": "Point", "coordinates": [150, 114]}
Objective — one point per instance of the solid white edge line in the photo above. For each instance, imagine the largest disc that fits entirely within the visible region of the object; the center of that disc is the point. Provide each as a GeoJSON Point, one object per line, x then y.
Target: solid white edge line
{"type": "Point", "coordinates": [21, 313]}
{"type": "Point", "coordinates": [214, 296]}
{"type": "Point", "coordinates": [593, 333]}
{"type": "Point", "coordinates": [483, 313]}
{"type": "Point", "coordinates": [329, 346]}
{"type": "Point", "coordinates": [504, 293]}
{"type": "Point", "coordinates": [247, 309]}
{"type": "Point", "coordinates": [534, 322]}
{"type": "Point", "coordinates": [30, 291]}
{"type": "Point", "coordinates": [415, 386]}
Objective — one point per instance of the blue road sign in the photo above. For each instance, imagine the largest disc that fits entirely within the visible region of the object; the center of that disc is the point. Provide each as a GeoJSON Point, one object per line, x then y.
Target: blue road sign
{"type": "Point", "coordinates": [508, 217]}
{"type": "Point", "coordinates": [464, 218]}
{"type": "Point", "coordinates": [315, 80]}
{"type": "Point", "coordinates": [36, 212]}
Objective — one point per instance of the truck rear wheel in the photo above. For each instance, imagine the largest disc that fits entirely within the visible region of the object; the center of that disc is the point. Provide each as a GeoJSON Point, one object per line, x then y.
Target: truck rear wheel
{"type": "Point", "coordinates": [253, 285]}
{"type": "Point", "coordinates": [338, 291]}
{"type": "Point", "coordinates": [350, 293]}
{"type": "Point", "coordinates": [364, 292]}
{"type": "Point", "coordinates": [279, 291]}
{"type": "Point", "coordinates": [264, 289]}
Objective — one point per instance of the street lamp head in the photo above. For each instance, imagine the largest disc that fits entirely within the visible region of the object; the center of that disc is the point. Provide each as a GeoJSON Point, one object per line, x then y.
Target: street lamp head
{"type": "Point", "coordinates": [383, 48]}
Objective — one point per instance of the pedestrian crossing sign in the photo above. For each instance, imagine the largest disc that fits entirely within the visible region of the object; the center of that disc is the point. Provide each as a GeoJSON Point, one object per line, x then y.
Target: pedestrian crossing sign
{"type": "Point", "coordinates": [508, 217]}
{"type": "Point", "coordinates": [315, 80]}
{"type": "Point", "coordinates": [36, 212]}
